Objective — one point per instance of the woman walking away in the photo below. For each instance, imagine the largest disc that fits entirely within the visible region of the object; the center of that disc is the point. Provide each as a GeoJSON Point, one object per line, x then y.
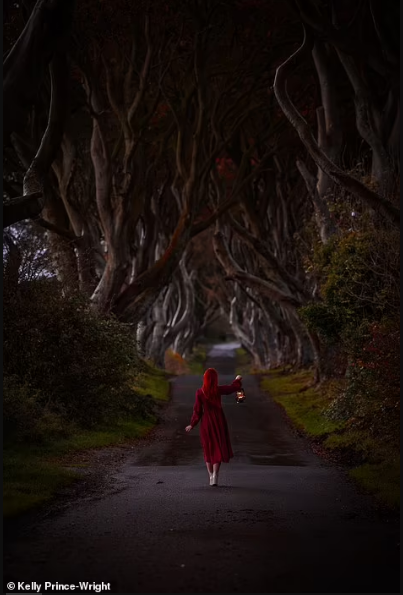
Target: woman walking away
{"type": "Point", "coordinates": [213, 428]}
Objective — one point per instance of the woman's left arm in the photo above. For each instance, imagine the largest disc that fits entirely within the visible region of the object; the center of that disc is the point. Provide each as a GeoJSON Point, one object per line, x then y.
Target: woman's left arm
{"type": "Point", "coordinates": [197, 413]}
{"type": "Point", "coordinates": [227, 389]}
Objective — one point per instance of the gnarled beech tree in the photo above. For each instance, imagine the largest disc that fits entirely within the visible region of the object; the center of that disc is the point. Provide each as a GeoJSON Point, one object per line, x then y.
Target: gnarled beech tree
{"type": "Point", "coordinates": [41, 45]}
{"type": "Point", "coordinates": [178, 191]}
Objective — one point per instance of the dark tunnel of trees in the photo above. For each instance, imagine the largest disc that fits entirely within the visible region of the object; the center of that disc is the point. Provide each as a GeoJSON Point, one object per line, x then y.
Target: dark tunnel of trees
{"type": "Point", "coordinates": [170, 164]}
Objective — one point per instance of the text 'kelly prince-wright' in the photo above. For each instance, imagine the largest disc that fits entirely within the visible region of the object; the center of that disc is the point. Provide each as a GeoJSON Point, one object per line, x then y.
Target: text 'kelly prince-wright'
{"type": "Point", "coordinates": [23, 587]}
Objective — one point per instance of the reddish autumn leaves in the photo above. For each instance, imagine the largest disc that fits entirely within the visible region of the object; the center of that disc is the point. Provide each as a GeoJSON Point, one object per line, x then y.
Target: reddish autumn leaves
{"type": "Point", "coordinates": [160, 114]}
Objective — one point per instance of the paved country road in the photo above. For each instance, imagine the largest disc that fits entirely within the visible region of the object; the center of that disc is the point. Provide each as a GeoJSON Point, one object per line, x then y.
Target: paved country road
{"type": "Point", "coordinates": [281, 521]}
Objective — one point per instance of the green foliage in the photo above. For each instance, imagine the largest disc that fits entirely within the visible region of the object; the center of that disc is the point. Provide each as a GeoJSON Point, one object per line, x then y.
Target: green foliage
{"type": "Point", "coordinates": [370, 397]}
{"type": "Point", "coordinates": [174, 363]}
{"type": "Point", "coordinates": [30, 481]}
{"type": "Point", "coordinates": [305, 406]}
{"type": "Point", "coordinates": [34, 475]}
{"type": "Point", "coordinates": [359, 314]}
{"type": "Point", "coordinates": [358, 273]}
{"type": "Point", "coordinates": [322, 318]}
{"type": "Point", "coordinates": [197, 360]}
{"type": "Point", "coordinates": [358, 317]}
{"type": "Point", "coordinates": [375, 460]}
{"type": "Point", "coordinates": [27, 413]}
{"type": "Point", "coordinates": [354, 285]}
{"type": "Point", "coordinates": [243, 361]}
{"type": "Point", "coordinates": [73, 381]}
{"type": "Point", "coordinates": [65, 367]}
{"type": "Point", "coordinates": [151, 381]}
{"type": "Point", "coordinates": [381, 479]}
{"type": "Point", "coordinates": [194, 364]}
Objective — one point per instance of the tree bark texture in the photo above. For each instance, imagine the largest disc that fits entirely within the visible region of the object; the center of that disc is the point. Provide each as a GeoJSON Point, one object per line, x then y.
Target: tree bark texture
{"type": "Point", "coordinates": [346, 181]}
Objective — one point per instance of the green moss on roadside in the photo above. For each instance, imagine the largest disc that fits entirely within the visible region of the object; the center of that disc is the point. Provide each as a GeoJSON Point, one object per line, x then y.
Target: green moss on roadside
{"type": "Point", "coordinates": [304, 408]}
{"type": "Point", "coordinates": [382, 480]}
{"type": "Point", "coordinates": [243, 362]}
{"type": "Point", "coordinates": [358, 440]}
{"type": "Point", "coordinates": [152, 381]}
{"type": "Point", "coordinates": [279, 383]}
{"type": "Point", "coordinates": [35, 473]}
{"type": "Point", "coordinates": [197, 360]}
{"type": "Point", "coordinates": [30, 481]}
{"type": "Point", "coordinates": [307, 406]}
{"type": "Point", "coordinates": [118, 434]}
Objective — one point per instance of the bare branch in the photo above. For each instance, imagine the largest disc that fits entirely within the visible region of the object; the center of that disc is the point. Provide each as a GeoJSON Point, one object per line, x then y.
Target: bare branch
{"type": "Point", "coordinates": [374, 200]}
{"type": "Point", "coordinates": [22, 207]}
{"type": "Point", "coordinates": [143, 76]}
{"type": "Point", "coordinates": [234, 272]}
{"type": "Point", "coordinates": [64, 233]}
{"type": "Point", "coordinates": [27, 62]}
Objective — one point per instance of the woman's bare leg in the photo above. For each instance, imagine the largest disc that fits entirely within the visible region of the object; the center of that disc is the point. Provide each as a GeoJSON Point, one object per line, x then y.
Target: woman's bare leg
{"type": "Point", "coordinates": [209, 468]}
{"type": "Point", "coordinates": [214, 477]}
{"type": "Point", "coordinates": [216, 468]}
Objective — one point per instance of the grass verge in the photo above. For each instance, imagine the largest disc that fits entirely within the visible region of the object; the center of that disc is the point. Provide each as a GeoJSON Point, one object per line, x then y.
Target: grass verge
{"type": "Point", "coordinates": [33, 474]}
{"type": "Point", "coordinates": [197, 361]}
{"type": "Point", "coordinates": [152, 381]}
{"type": "Point", "coordinates": [243, 364]}
{"type": "Point", "coordinates": [373, 466]}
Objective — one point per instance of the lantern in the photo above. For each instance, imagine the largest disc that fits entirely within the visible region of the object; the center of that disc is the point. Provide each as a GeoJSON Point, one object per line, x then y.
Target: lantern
{"type": "Point", "coordinates": [240, 396]}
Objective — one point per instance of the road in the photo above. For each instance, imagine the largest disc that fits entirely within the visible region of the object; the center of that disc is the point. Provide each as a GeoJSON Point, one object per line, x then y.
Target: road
{"type": "Point", "coordinates": [282, 520]}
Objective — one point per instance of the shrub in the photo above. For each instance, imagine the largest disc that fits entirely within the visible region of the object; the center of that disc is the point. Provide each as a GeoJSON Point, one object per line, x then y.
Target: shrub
{"type": "Point", "coordinates": [359, 315]}
{"type": "Point", "coordinates": [174, 363]}
{"type": "Point", "coordinates": [359, 278]}
{"type": "Point", "coordinates": [64, 364]}
{"type": "Point", "coordinates": [374, 378]}
{"type": "Point", "coordinates": [27, 414]}
{"type": "Point", "coordinates": [324, 319]}
{"type": "Point", "coordinates": [197, 360]}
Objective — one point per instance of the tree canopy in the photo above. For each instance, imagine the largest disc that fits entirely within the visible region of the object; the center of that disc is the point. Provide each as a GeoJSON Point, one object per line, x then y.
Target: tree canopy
{"type": "Point", "coordinates": [196, 159]}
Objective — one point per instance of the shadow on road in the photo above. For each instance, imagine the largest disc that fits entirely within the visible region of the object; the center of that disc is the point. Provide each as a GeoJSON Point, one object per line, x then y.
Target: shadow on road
{"type": "Point", "coordinates": [281, 520]}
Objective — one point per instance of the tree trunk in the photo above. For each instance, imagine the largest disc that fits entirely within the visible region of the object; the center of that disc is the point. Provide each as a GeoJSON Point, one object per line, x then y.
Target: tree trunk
{"type": "Point", "coordinates": [374, 127]}
{"type": "Point", "coordinates": [349, 183]}
{"type": "Point", "coordinates": [25, 66]}
{"type": "Point", "coordinates": [62, 249]}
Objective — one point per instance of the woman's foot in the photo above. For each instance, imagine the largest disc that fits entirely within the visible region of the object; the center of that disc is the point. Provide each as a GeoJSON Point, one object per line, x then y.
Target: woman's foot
{"type": "Point", "coordinates": [214, 479]}
{"type": "Point", "coordinates": [211, 479]}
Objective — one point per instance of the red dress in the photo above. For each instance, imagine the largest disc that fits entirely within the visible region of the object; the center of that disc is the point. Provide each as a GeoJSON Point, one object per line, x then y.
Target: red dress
{"type": "Point", "coordinates": [213, 427]}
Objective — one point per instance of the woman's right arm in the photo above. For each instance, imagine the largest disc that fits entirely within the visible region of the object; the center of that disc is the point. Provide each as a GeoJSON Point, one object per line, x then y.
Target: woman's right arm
{"type": "Point", "coordinates": [227, 389]}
